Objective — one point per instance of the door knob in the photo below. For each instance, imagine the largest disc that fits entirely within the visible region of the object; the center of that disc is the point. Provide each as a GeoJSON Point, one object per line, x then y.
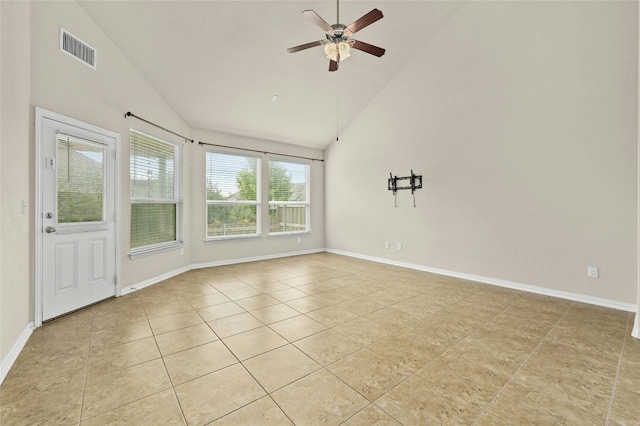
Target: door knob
{"type": "Point", "coordinates": [50, 229]}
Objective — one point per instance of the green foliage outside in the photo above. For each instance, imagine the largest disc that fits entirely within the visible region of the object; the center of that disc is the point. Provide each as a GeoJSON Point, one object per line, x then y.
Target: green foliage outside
{"type": "Point", "coordinates": [237, 219]}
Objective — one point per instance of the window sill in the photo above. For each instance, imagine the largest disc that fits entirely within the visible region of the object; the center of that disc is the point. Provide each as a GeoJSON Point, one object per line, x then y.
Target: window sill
{"type": "Point", "coordinates": [232, 238]}
{"type": "Point", "coordinates": [289, 234]}
{"type": "Point", "coordinates": [150, 251]}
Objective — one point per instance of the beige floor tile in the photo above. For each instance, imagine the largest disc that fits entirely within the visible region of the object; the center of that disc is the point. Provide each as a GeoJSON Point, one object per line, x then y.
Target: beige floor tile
{"type": "Point", "coordinates": [546, 377]}
{"type": "Point", "coordinates": [257, 302]}
{"type": "Point", "coordinates": [242, 293]}
{"type": "Point", "coordinates": [487, 419]}
{"type": "Point", "coordinates": [332, 316]}
{"type": "Point", "coordinates": [364, 305]}
{"type": "Point", "coordinates": [58, 408]}
{"type": "Point", "coordinates": [369, 373]}
{"type": "Point", "coordinates": [185, 338]}
{"type": "Point", "coordinates": [160, 408]}
{"type": "Point", "coordinates": [254, 342]}
{"type": "Point", "coordinates": [111, 358]}
{"type": "Point", "coordinates": [175, 322]}
{"type": "Point", "coordinates": [263, 412]}
{"type": "Point", "coordinates": [287, 295]}
{"type": "Point", "coordinates": [297, 328]}
{"type": "Point", "coordinates": [625, 407]}
{"type": "Point", "coordinates": [418, 401]}
{"type": "Point", "coordinates": [319, 398]}
{"type": "Point", "coordinates": [230, 286]}
{"type": "Point", "coordinates": [406, 352]}
{"type": "Point", "coordinates": [364, 331]}
{"type": "Point", "coordinates": [307, 304]}
{"type": "Point", "coordinates": [274, 313]}
{"type": "Point", "coordinates": [109, 391]}
{"type": "Point", "coordinates": [567, 362]}
{"type": "Point", "coordinates": [166, 307]}
{"type": "Point", "coordinates": [328, 346]}
{"type": "Point", "coordinates": [392, 318]}
{"type": "Point", "coordinates": [471, 382]}
{"type": "Point", "coordinates": [221, 310]}
{"type": "Point", "coordinates": [273, 372]}
{"type": "Point", "coordinates": [121, 334]}
{"type": "Point", "coordinates": [519, 404]}
{"type": "Point", "coordinates": [208, 300]}
{"type": "Point", "coordinates": [210, 397]}
{"type": "Point", "coordinates": [235, 324]}
{"type": "Point", "coordinates": [629, 375]}
{"type": "Point", "coordinates": [119, 316]}
{"type": "Point", "coordinates": [371, 415]}
{"type": "Point", "coordinates": [199, 361]}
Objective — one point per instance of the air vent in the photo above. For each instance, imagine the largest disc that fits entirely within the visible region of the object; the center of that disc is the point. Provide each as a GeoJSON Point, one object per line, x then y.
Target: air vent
{"type": "Point", "coordinates": [77, 48]}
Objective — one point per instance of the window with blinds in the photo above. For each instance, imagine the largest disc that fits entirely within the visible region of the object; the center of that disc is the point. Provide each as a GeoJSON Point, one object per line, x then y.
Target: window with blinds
{"type": "Point", "coordinates": [233, 195]}
{"type": "Point", "coordinates": [156, 206]}
{"type": "Point", "coordinates": [288, 197]}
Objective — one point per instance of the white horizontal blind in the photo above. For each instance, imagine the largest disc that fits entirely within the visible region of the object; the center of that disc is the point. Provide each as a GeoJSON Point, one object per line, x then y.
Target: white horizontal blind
{"type": "Point", "coordinates": [155, 191]}
{"type": "Point", "coordinates": [233, 195]}
{"type": "Point", "coordinates": [289, 207]}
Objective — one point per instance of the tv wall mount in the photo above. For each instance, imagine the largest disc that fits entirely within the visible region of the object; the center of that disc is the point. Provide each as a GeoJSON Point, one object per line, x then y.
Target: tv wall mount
{"type": "Point", "coordinates": [415, 182]}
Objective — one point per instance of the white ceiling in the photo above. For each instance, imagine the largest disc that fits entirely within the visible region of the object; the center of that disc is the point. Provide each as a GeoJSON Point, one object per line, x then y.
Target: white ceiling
{"type": "Point", "coordinates": [219, 63]}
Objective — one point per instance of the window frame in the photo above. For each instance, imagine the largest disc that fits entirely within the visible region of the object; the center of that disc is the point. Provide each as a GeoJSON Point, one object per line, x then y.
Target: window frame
{"type": "Point", "coordinates": [306, 203]}
{"type": "Point", "coordinates": [257, 202]}
{"type": "Point", "coordinates": [178, 149]}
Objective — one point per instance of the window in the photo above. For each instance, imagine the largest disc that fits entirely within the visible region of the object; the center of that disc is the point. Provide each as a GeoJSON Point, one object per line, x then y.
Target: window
{"type": "Point", "coordinates": [233, 195]}
{"type": "Point", "coordinates": [288, 197]}
{"type": "Point", "coordinates": [156, 205]}
{"type": "Point", "coordinates": [80, 180]}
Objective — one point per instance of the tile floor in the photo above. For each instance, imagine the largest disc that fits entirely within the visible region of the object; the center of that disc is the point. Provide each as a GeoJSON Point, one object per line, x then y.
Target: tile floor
{"type": "Point", "coordinates": [326, 339]}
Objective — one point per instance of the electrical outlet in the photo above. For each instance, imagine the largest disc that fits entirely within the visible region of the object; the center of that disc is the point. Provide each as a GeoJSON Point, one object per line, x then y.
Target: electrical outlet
{"type": "Point", "coordinates": [387, 244]}
{"type": "Point", "coordinates": [399, 246]}
{"type": "Point", "coordinates": [592, 271]}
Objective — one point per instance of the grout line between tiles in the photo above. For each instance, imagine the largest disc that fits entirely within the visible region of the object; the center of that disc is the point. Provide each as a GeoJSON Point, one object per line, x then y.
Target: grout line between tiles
{"type": "Point", "coordinates": [615, 381]}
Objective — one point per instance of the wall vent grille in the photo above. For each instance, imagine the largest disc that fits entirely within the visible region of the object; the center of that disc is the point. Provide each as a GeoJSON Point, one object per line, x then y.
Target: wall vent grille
{"type": "Point", "coordinates": [77, 48]}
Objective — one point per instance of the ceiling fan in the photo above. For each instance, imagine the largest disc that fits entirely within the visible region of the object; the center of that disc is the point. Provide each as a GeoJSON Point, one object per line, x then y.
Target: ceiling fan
{"type": "Point", "coordinates": [338, 42]}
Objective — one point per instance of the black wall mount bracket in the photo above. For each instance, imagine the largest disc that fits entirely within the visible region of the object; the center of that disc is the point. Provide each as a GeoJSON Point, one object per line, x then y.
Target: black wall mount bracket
{"type": "Point", "coordinates": [415, 182]}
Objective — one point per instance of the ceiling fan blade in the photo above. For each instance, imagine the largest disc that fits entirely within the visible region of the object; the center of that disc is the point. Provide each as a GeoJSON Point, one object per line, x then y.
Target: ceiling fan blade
{"type": "Point", "coordinates": [333, 65]}
{"type": "Point", "coordinates": [316, 19]}
{"type": "Point", "coordinates": [369, 48]}
{"type": "Point", "coordinates": [304, 46]}
{"type": "Point", "coordinates": [365, 21]}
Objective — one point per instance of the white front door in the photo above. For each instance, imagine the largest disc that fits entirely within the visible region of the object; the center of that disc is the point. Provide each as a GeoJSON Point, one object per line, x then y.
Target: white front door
{"type": "Point", "coordinates": [77, 229]}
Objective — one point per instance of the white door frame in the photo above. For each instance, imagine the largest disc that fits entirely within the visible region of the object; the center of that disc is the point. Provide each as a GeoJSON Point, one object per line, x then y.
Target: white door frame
{"type": "Point", "coordinates": [42, 114]}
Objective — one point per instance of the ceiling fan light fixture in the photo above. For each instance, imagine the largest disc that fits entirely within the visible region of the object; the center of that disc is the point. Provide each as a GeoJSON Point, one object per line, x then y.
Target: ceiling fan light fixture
{"type": "Point", "coordinates": [332, 49]}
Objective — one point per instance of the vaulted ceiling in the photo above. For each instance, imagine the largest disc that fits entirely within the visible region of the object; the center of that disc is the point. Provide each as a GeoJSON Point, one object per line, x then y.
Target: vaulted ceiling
{"type": "Point", "coordinates": [220, 63]}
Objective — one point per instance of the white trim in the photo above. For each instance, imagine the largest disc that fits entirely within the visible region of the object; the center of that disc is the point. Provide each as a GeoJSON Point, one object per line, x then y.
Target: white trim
{"type": "Point", "coordinates": [155, 249]}
{"type": "Point", "coordinates": [165, 276]}
{"type": "Point", "coordinates": [15, 350]}
{"type": "Point", "coordinates": [40, 115]}
{"type": "Point", "coordinates": [255, 258]}
{"type": "Point", "coordinates": [636, 328]}
{"type": "Point", "coordinates": [154, 280]}
{"type": "Point", "coordinates": [614, 304]}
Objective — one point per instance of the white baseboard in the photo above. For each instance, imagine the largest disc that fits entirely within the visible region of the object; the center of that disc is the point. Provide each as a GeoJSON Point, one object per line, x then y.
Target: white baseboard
{"type": "Point", "coordinates": [154, 280]}
{"type": "Point", "coordinates": [17, 347]}
{"type": "Point", "coordinates": [629, 307]}
{"type": "Point", "coordinates": [254, 259]}
{"type": "Point", "coordinates": [636, 326]}
{"type": "Point", "coordinates": [159, 278]}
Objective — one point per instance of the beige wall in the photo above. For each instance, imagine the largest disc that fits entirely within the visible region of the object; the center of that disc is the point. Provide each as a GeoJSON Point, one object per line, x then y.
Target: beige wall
{"type": "Point", "coordinates": [14, 174]}
{"type": "Point", "coordinates": [522, 119]}
{"type": "Point", "coordinates": [206, 253]}
{"type": "Point", "coordinates": [101, 97]}
{"type": "Point", "coordinates": [59, 83]}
